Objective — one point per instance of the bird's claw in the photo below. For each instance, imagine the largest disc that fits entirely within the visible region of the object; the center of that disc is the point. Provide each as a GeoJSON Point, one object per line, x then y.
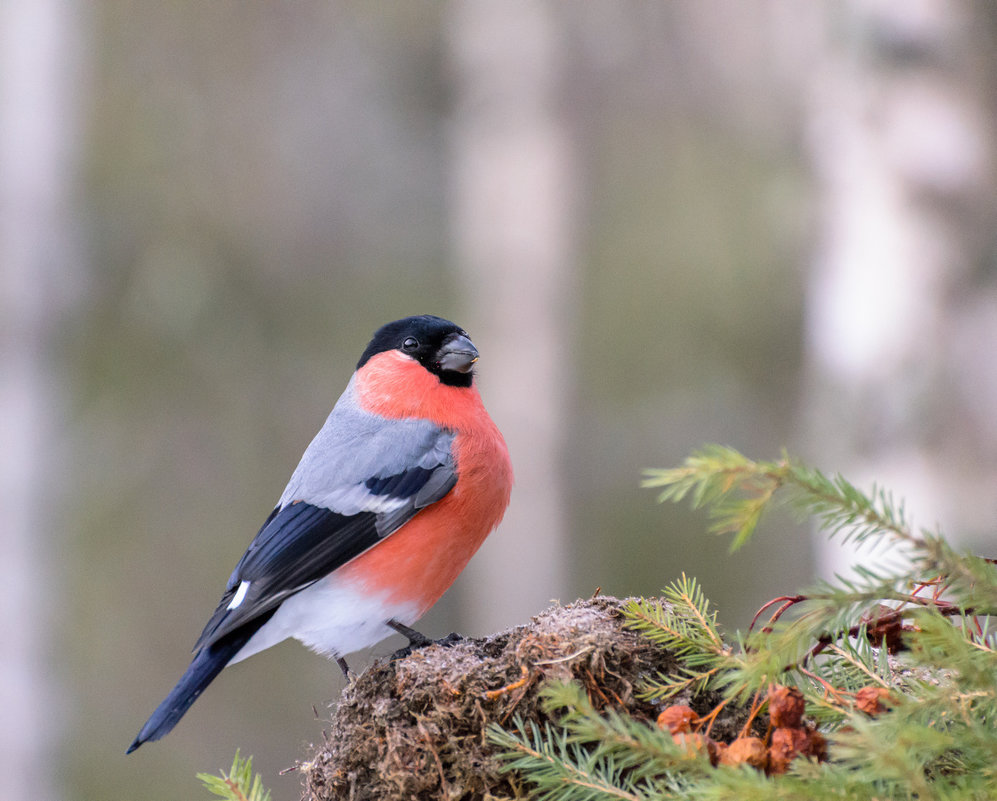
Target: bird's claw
{"type": "Point", "coordinates": [415, 643]}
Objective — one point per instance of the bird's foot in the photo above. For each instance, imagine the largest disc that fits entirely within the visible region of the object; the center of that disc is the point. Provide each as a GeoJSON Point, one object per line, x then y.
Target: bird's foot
{"type": "Point", "coordinates": [348, 674]}
{"type": "Point", "coordinates": [416, 640]}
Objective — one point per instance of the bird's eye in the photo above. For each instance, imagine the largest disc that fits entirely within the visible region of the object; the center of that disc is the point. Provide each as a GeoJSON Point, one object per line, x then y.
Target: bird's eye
{"type": "Point", "coordinates": [410, 343]}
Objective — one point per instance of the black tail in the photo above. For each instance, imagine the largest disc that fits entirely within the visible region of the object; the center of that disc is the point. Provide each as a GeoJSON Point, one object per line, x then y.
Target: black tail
{"type": "Point", "coordinates": [206, 665]}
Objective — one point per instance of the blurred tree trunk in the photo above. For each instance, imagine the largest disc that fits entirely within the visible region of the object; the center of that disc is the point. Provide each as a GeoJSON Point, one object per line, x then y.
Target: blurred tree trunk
{"type": "Point", "coordinates": [513, 195]}
{"type": "Point", "coordinates": [36, 135]}
{"type": "Point", "coordinates": [902, 301]}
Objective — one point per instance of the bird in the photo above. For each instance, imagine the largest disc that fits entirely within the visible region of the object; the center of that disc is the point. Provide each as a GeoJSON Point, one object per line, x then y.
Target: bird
{"type": "Point", "coordinates": [401, 485]}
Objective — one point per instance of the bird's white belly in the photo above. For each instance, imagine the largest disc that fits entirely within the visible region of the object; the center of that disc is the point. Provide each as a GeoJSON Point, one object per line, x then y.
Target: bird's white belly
{"type": "Point", "coordinates": [333, 617]}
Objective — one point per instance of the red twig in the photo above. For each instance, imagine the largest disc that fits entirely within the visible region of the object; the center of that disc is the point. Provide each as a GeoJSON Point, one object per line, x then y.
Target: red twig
{"type": "Point", "coordinates": [829, 689]}
{"type": "Point", "coordinates": [786, 600]}
{"type": "Point", "coordinates": [756, 705]}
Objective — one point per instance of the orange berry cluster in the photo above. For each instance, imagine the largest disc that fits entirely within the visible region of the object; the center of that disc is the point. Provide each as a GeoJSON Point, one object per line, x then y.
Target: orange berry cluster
{"type": "Point", "coordinates": [790, 736]}
{"type": "Point", "coordinates": [885, 629]}
{"type": "Point", "coordinates": [870, 700]}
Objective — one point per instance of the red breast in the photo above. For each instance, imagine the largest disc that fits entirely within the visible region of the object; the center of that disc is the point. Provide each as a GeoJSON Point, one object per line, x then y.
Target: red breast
{"type": "Point", "coordinates": [420, 561]}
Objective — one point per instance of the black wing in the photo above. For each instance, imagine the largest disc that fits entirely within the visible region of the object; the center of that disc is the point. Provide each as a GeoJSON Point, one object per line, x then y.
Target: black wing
{"type": "Point", "coordinates": [300, 543]}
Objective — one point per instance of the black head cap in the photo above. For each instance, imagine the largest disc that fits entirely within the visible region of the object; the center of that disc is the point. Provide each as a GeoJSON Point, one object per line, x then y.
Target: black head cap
{"type": "Point", "coordinates": [442, 347]}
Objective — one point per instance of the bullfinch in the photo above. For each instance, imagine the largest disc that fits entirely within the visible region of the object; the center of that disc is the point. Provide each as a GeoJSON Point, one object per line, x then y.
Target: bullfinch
{"type": "Point", "coordinates": [389, 502]}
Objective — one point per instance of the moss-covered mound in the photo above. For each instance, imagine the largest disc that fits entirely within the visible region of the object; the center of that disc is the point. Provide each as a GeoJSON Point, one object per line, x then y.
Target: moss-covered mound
{"type": "Point", "coordinates": [415, 728]}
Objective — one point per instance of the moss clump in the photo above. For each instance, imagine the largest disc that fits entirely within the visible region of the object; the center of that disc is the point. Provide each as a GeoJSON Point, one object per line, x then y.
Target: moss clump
{"type": "Point", "coordinates": [414, 728]}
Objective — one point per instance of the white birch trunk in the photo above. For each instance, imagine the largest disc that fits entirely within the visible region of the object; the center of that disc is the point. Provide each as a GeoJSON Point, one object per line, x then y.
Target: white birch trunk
{"type": "Point", "coordinates": [513, 193]}
{"type": "Point", "coordinates": [900, 341]}
{"type": "Point", "coordinates": [37, 131]}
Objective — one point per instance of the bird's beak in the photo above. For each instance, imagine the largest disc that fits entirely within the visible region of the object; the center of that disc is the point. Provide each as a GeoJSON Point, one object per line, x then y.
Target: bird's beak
{"type": "Point", "coordinates": [457, 354]}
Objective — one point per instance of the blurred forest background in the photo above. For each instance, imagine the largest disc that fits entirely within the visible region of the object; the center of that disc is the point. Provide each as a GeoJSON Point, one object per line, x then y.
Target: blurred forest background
{"type": "Point", "coordinates": [766, 224]}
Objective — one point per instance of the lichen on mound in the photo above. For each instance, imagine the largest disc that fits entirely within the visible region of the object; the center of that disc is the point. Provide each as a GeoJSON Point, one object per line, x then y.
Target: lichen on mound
{"type": "Point", "coordinates": [415, 728]}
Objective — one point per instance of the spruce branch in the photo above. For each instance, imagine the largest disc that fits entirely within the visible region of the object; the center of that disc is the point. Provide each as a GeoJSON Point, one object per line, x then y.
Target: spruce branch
{"type": "Point", "coordinates": [641, 750]}
{"type": "Point", "coordinates": [589, 756]}
{"type": "Point", "coordinates": [738, 490]}
{"type": "Point", "coordinates": [559, 770]}
{"type": "Point", "coordinates": [683, 623]}
{"type": "Point", "coordinates": [890, 671]}
{"type": "Point", "coordinates": [710, 476]}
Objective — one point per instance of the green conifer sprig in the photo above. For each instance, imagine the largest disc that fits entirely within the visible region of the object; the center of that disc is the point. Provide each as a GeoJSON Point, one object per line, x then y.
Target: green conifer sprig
{"type": "Point", "coordinates": [558, 769]}
{"type": "Point", "coordinates": [591, 756]}
{"type": "Point", "coordinates": [683, 623]}
{"type": "Point", "coordinates": [238, 784]}
{"type": "Point", "coordinates": [738, 491]}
